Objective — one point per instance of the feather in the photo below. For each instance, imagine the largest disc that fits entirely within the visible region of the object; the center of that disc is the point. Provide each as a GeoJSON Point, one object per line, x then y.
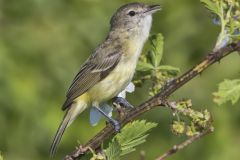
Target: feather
{"type": "Point", "coordinates": [94, 70]}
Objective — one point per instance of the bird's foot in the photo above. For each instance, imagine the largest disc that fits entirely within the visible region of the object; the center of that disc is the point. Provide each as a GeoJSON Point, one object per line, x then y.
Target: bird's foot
{"type": "Point", "coordinates": [112, 121]}
{"type": "Point", "coordinates": [122, 102]}
{"type": "Point", "coordinates": [116, 125]}
{"type": "Point", "coordinates": [122, 106]}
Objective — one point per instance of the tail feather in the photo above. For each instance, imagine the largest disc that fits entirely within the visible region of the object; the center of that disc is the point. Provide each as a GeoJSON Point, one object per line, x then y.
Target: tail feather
{"type": "Point", "coordinates": [59, 134]}
{"type": "Point", "coordinates": [74, 110]}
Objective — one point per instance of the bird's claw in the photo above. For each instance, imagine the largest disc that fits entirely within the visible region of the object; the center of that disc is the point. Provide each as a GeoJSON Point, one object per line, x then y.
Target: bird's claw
{"type": "Point", "coordinates": [122, 102]}
{"type": "Point", "coordinates": [116, 125]}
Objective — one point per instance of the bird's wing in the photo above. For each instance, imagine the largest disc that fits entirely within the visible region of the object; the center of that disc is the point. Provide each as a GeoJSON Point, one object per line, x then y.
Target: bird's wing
{"type": "Point", "coordinates": [94, 70]}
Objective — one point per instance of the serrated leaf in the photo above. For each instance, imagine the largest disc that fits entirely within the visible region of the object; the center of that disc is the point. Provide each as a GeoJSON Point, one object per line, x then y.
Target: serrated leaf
{"type": "Point", "coordinates": [131, 135]}
{"type": "Point", "coordinates": [114, 150]}
{"type": "Point", "coordinates": [134, 134]}
{"type": "Point", "coordinates": [157, 51]}
{"type": "Point", "coordinates": [228, 90]}
{"type": "Point", "coordinates": [127, 148]}
{"type": "Point", "coordinates": [126, 151]}
{"type": "Point", "coordinates": [142, 66]}
{"type": "Point", "coordinates": [212, 6]}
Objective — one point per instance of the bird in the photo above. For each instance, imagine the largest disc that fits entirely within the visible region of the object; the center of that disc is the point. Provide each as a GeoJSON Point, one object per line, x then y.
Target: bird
{"type": "Point", "coordinates": [110, 68]}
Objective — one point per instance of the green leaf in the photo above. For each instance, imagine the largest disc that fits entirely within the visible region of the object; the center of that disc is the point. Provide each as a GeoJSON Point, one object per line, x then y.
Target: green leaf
{"type": "Point", "coordinates": [114, 150]}
{"type": "Point", "coordinates": [157, 42]}
{"type": "Point", "coordinates": [153, 58]}
{"type": "Point", "coordinates": [212, 6]}
{"type": "Point", "coordinates": [142, 66]}
{"type": "Point", "coordinates": [157, 51]}
{"type": "Point", "coordinates": [133, 134]}
{"type": "Point", "coordinates": [228, 90]}
{"type": "Point", "coordinates": [128, 147]}
{"type": "Point", "coordinates": [149, 68]}
{"type": "Point", "coordinates": [227, 14]}
{"type": "Point", "coordinates": [168, 68]}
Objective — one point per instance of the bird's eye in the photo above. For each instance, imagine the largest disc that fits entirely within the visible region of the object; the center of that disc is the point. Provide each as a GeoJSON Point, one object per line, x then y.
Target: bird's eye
{"type": "Point", "coordinates": [131, 13]}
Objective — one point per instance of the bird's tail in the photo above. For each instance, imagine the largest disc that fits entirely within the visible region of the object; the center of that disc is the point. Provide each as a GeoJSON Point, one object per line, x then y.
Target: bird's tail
{"type": "Point", "coordinates": [74, 110]}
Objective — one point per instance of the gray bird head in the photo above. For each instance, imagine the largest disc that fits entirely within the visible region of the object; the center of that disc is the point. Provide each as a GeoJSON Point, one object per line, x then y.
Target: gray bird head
{"type": "Point", "coordinates": [133, 16]}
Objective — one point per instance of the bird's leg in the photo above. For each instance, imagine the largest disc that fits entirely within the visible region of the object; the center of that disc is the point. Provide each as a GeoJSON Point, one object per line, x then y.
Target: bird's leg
{"type": "Point", "coordinates": [121, 105]}
{"type": "Point", "coordinates": [121, 111]}
{"type": "Point", "coordinates": [114, 122]}
{"type": "Point", "coordinates": [122, 102]}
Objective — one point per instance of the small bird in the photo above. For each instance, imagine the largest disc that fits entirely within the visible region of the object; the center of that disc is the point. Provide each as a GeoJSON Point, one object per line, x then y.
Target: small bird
{"type": "Point", "coordinates": [111, 67]}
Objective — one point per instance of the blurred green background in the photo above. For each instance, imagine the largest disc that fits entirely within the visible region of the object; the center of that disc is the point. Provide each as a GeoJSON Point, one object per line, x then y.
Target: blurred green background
{"type": "Point", "coordinates": [42, 45]}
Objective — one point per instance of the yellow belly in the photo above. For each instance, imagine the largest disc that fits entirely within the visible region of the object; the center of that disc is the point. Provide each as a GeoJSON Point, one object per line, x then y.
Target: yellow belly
{"type": "Point", "coordinates": [120, 77]}
{"type": "Point", "coordinates": [114, 83]}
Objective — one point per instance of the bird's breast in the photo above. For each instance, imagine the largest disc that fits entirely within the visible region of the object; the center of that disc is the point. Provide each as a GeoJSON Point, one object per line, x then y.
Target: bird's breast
{"type": "Point", "coordinates": [118, 78]}
{"type": "Point", "coordinates": [114, 83]}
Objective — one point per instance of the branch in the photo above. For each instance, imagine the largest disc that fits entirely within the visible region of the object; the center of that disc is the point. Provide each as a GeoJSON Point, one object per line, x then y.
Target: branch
{"type": "Point", "coordinates": [185, 144]}
{"type": "Point", "coordinates": [157, 100]}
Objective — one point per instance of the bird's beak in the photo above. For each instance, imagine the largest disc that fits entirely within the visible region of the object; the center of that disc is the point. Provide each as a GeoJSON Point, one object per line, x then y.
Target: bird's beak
{"type": "Point", "coordinates": [152, 9]}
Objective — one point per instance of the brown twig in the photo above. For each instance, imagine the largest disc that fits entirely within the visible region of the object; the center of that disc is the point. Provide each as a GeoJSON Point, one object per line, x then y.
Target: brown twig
{"type": "Point", "coordinates": [158, 99]}
{"type": "Point", "coordinates": [185, 144]}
